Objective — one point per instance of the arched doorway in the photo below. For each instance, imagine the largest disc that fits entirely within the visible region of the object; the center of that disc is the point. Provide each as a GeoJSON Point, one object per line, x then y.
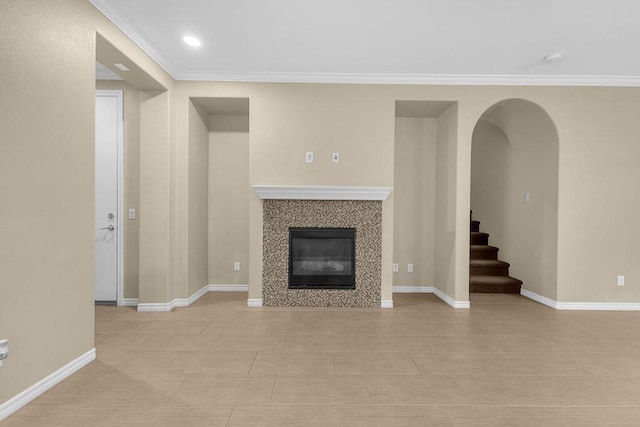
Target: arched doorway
{"type": "Point", "coordinates": [514, 190]}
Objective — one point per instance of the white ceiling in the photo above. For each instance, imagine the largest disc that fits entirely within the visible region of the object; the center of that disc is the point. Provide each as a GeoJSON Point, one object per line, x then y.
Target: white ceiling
{"type": "Point", "coordinates": [389, 41]}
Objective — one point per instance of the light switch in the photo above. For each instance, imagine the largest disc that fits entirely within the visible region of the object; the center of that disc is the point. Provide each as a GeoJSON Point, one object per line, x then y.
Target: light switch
{"type": "Point", "coordinates": [309, 157]}
{"type": "Point", "coordinates": [132, 214]}
{"type": "Point", "coordinates": [236, 266]}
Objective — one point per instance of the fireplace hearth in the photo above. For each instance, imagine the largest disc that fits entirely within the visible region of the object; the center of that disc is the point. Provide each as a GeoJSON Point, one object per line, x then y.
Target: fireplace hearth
{"type": "Point", "coordinates": [322, 258]}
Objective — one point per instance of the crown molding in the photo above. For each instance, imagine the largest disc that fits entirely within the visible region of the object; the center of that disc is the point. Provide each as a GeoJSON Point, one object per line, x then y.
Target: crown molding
{"type": "Point", "coordinates": [131, 30]}
{"type": "Point", "coordinates": [137, 36]}
{"type": "Point", "coordinates": [409, 79]}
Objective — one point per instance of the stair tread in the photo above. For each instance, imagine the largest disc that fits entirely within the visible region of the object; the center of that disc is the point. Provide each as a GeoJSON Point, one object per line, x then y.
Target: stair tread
{"type": "Point", "coordinates": [479, 233]}
{"type": "Point", "coordinates": [484, 248]}
{"type": "Point", "coordinates": [501, 280]}
{"type": "Point", "coordinates": [488, 263]}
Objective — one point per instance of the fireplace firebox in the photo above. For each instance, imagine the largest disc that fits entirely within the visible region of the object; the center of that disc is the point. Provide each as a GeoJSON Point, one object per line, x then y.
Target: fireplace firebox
{"type": "Point", "coordinates": [322, 258]}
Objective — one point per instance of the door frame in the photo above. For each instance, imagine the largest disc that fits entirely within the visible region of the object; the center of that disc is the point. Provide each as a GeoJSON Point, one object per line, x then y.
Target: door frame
{"type": "Point", "coordinates": [119, 95]}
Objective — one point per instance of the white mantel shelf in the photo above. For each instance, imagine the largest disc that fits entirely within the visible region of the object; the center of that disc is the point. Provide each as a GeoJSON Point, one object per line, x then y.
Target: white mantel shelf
{"type": "Point", "coordinates": [289, 192]}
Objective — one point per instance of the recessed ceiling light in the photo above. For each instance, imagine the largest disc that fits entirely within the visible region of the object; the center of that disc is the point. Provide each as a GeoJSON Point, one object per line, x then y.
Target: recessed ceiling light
{"type": "Point", "coordinates": [121, 67]}
{"type": "Point", "coordinates": [554, 57]}
{"type": "Point", "coordinates": [192, 41]}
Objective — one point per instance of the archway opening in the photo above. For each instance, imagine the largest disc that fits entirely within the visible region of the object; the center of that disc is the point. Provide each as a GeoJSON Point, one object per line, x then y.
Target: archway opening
{"type": "Point", "coordinates": [514, 194]}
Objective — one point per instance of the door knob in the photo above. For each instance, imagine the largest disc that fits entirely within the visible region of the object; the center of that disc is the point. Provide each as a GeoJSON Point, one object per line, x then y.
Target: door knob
{"type": "Point", "coordinates": [110, 228]}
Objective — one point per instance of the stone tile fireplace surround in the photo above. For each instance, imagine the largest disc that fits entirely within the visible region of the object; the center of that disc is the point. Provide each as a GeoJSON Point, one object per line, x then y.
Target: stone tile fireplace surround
{"type": "Point", "coordinates": [330, 207]}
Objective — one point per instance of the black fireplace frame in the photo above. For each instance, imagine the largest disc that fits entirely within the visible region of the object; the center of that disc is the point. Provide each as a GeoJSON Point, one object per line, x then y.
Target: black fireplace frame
{"type": "Point", "coordinates": [343, 281]}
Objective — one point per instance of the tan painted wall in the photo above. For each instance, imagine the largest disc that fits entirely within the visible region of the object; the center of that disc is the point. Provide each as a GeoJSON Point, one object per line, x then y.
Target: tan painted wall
{"type": "Point", "coordinates": [154, 214]}
{"type": "Point", "coordinates": [46, 189]}
{"type": "Point", "coordinates": [198, 199]}
{"type": "Point", "coordinates": [414, 198]}
{"type": "Point", "coordinates": [489, 156]}
{"type": "Point", "coordinates": [229, 195]}
{"type": "Point", "coordinates": [131, 181]}
{"type": "Point", "coordinates": [445, 216]}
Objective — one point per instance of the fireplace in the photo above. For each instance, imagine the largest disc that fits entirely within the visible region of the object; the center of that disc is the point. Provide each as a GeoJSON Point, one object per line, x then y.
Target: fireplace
{"type": "Point", "coordinates": [322, 258]}
{"type": "Point", "coordinates": [355, 255]}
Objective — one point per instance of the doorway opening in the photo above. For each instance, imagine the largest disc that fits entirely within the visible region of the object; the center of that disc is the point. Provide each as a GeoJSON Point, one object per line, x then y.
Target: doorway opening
{"type": "Point", "coordinates": [514, 190]}
{"type": "Point", "coordinates": [109, 161]}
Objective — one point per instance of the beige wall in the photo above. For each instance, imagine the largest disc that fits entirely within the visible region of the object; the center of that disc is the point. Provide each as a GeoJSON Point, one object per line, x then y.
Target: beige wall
{"type": "Point", "coordinates": [414, 198]}
{"type": "Point", "coordinates": [46, 189]}
{"type": "Point", "coordinates": [489, 157]}
{"type": "Point", "coordinates": [229, 195]}
{"type": "Point", "coordinates": [445, 215]}
{"type": "Point", "coordinates": [131, 181]}
{"type": "Point", "coordinates": [198, 199]}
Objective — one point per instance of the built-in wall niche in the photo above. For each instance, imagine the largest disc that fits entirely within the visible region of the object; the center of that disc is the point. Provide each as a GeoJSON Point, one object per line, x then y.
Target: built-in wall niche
{"type": "Point", "coordinates": [226, 114]}
{"type": "Point", "coordinates": [228, 189]}
{"type": "Point", "coordinates": [415, 171]}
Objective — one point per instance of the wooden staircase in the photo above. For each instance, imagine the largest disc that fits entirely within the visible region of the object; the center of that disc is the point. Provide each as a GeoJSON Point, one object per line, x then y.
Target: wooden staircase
{"type": "Point", "coordinates": [486, 273]}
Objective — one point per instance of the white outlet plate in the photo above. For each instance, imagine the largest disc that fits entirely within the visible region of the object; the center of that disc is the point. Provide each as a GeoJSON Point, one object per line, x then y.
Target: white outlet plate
{"type": "Point", "coordinates": [335, 157]}
{"type": "Point", "coordinates": [236, 266]}
{"type": "Point", "coordinates": [620, 280]}
{"type": "Point", "coordinates": [410, 268]}
{"type": "Point", "coordinates": [395, 268]}
{"type": "Point", "coordinates": [309, 157]}
{"type": "Point", "coordinates": [132, 214]}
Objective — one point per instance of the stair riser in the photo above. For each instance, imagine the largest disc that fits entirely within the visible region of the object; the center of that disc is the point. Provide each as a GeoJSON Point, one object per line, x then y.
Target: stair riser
{"type": "Point", "coordinates": [483, 255]}
{"type": "Point", "coordinates": [489, 271]}
{"type": "Point", "coordinates": [479, 240]}
{"type": "Point", "coordinates": [475, 226]}
{"type": "Point", "coordinates": [494, 289]}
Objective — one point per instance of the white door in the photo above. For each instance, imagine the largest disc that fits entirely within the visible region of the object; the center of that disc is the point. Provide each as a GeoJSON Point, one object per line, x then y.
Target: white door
{"type": "Point", "coordinates": [108, 154]}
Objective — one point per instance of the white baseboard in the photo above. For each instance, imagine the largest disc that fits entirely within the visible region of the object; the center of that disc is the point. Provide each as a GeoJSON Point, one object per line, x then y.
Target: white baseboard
{"type": "Point", "coordinates": [129, 302]}
{"type": "Point", "coordinates": [228, 288]}
{"type": "Point", "coordinates": [413, 289]}
{"type": "Point", "coordinates": [177, 302]}
{"type": "Point", "coordinates": [386, 303]}
{"type": "Point", "coordinates": [17, 402]}
{"type": "Point", "coordinates": [254, 302]}
{"type": "Point", "coordinates": [453, 303]}
{"type": "Point", "coordinates": [195, 297]}
{"type": "Point", "coordinates": [609, 306]}
{"type": "Point", "coordinates": [431, 290]}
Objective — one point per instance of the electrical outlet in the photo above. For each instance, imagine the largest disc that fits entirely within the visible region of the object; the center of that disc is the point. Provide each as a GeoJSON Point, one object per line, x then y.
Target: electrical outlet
{"type": "Point", "coordinates": [335, 158]}
{"type": "Point", "coordinates": [395, 268]}
{"type": "Point", "coordinates": [236, 266]}
{"type": "Point", "coordinates": [309, 157]}
{"type": "Point", "coordinates": [132, 213]}
{"type": "Point", "coordinates": [527, 197]}
{"type": "Point", "coordinates": [620, 280]}
{"type": "Point", "coordinates": [410, 268]}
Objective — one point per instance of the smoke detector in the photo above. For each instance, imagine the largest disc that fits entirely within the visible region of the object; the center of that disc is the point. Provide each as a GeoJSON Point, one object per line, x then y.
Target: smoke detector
{"type": "Point", "coordinates": [554, 57]}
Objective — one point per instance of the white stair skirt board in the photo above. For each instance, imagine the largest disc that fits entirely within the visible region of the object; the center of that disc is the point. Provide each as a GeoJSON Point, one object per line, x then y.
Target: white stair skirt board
{"type": "Point", "coordinates": [610, 306]}
{"type": "Point", "coordinates": [254, 302]}
{"type": "Point", "coordinates": [129, 302]}
{"type": "Point", "coordinates": [432, 290]}
{"type": "Point", "coordinates": [228, 288]}
{"type": "Point", "coordinates": [17, 402]}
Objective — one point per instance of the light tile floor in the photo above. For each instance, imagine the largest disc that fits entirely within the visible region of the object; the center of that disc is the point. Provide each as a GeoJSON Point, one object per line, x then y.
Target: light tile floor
{"type": "Point", "coordinates": [507, 361]}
